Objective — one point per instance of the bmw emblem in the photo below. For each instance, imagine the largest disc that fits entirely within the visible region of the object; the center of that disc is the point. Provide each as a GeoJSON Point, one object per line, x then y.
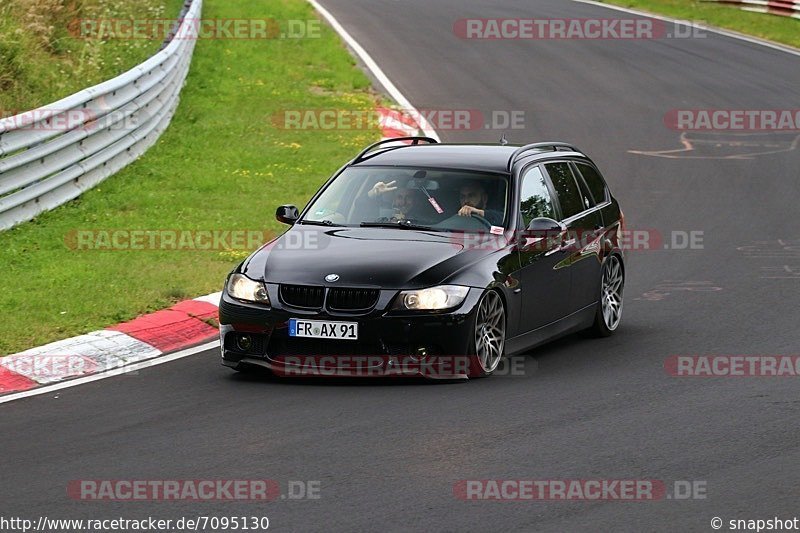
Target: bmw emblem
{"type": "Point", "coordinates": [332, 277]}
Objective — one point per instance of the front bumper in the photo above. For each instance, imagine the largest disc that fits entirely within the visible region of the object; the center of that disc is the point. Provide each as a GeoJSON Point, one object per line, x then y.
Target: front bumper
{"type": "Point", "coordinates": [431, 345]}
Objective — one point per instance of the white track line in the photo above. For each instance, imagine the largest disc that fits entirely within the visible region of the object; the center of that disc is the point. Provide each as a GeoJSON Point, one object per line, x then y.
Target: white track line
{"type": "Point", "coordinates": [374, 68]}
{"type": "Point", "coordinates": [111, 373]}
{"type": "Point", "coordinates": [710, 29]}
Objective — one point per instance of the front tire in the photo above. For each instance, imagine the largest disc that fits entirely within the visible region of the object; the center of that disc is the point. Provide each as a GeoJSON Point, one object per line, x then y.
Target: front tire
{"type": "Point", "coordinates": [488, 336]}
{"type": "Point", "coordinates": [609, 308]}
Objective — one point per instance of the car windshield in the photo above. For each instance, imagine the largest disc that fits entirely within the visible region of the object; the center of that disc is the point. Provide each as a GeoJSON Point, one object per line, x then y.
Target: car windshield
{"type": "Point", "coordinates": [414, 198]}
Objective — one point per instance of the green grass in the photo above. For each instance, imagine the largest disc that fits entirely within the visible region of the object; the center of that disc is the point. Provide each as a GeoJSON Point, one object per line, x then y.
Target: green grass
{"type": "Point", "coordinates": [221, 165]}
{"type": "Point", "coordinates": [774, 28]}
{"type": "Point", "coordinates": [41, 61]}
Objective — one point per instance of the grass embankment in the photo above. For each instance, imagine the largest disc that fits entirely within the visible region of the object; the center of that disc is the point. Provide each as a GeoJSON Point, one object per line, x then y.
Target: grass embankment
{"type": "Point", "coordinates": [41, 61]}
{"type": "Point", "coordinates": [774, 28]}
{"type": "Point", "coordinates": [222, 165]}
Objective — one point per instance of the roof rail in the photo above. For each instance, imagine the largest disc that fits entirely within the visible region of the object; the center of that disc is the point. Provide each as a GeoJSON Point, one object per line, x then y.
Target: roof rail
{"type": "Point", "coordinates": [372, 147]}
{"type": "Point", "coordinates": [551, 146]}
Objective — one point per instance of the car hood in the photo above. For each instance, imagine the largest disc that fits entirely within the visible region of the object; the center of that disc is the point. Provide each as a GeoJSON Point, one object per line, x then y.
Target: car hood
{"type": "Point", "coordinates": [380, 257]}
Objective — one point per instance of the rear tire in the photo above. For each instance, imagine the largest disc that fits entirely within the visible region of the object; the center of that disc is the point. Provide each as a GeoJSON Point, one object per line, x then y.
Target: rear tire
{"type": "Point", "coordinates": [609, 307]}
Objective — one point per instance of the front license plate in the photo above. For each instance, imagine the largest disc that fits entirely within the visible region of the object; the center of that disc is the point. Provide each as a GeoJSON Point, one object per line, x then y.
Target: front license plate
{"type": "Point", "coordinates": [323, 329]}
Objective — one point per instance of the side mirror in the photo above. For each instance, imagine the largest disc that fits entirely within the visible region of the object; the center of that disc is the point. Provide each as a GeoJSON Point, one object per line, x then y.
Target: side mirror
{"type": "Point", "coordinates": [288, 214]}
{"type": "Point", "coordinates": [546, 234]}
{"type": "Point", "coordinates": [546, 225]}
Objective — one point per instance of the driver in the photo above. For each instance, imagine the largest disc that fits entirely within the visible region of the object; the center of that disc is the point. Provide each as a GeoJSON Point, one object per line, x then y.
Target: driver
{"type": "Point", "coordinates": [474, 198]}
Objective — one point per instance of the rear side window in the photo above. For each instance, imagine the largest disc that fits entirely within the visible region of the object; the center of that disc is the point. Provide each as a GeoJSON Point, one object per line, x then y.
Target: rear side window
{"type": "Point", "coordinates": [569, 196]}
{"type": "Point", "coordinates": [534, 197]}
{"type": "Point", "coordinates": [586, 196]}
{"type": "Point", "coordinates": [595, 182]}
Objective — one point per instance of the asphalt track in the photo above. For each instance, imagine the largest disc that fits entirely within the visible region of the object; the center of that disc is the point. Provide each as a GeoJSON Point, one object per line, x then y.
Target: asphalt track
{"type": "Point", "coordinates": [387, 454]}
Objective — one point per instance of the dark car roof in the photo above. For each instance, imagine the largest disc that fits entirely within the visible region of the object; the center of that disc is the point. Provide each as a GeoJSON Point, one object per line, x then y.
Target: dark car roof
{"type": "Point", "coordinates": [480, 157]}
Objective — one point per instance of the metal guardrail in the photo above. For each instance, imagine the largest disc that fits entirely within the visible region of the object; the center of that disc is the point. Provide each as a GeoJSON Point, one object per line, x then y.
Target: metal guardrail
{"type": "Point", "coordinates": [50, 155]}
{"type": "Point", "coordinates": [783, 8]}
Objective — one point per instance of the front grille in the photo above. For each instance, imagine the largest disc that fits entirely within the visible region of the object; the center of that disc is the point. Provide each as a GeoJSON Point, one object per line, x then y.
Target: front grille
{"type": "Point", "coordinates": [302, 296]}
{"type": "Point", "coordinates": [339, 299]}
{"type": "Point", "coordinates": [352, 299]}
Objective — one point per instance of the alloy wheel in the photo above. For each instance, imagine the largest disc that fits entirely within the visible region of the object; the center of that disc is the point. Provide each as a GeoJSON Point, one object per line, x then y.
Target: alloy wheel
{"type": "Point", "coordinates": [490, 332]}
{"type": "Point", "coordinates": [611, 300]}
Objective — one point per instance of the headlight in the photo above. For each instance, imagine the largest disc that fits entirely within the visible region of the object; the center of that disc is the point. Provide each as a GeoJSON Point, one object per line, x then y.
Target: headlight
{"type": "Point", "coordinates": [431, 299]}
{"type": "Point", "coordinates": [243, 288]}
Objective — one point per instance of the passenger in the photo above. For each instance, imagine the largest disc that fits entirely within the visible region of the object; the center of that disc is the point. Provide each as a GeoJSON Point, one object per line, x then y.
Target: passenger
{"type": "Point", "coordinates": [404, 200]}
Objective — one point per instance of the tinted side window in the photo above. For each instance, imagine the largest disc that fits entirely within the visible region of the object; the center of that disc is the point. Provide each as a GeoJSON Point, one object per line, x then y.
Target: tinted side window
{"type": "Point", "coordinates": [586, 196]}
{"type": "Point", "coordinates": [594, 181]}
{"type": "Point", "coordinates": [534, 197]}
{"type": "Point", "coordinates": [569, 196]}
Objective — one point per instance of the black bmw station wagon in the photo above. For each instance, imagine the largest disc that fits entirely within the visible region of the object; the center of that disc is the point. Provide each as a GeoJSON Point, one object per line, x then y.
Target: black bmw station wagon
{"type": "Point", "coordinates": [428, 259]}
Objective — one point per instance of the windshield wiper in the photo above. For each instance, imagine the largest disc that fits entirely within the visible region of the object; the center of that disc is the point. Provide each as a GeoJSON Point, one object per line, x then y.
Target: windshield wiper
{"type": "Point", "coordinates": [398, 224]}
{"type": "Point", "coordinates": [316, 222]}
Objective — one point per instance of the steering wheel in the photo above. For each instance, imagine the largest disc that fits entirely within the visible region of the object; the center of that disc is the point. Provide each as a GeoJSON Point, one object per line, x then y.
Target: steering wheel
{"type": "Point", "coordinates": [460, 223]}
{"type": "Point", "coordinates": [482, 220]}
